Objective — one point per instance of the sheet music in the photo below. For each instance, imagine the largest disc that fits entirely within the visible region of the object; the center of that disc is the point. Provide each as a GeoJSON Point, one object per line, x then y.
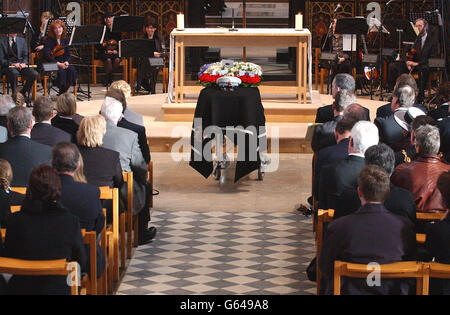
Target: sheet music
{"type": "Point", "coordinates": [347, 42]}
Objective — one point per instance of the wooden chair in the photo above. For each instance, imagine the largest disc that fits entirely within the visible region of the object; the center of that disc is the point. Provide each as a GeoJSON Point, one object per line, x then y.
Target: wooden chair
{"type": "Point", "coordinates": [164, 73]}
{"type": "Point", "coordinates": [128, 178]}
{"type": "Point", "coordinates": [435, 270]}
{"type": "Point", "coordinates": [323, 216]}
{"type": "Point", "coordinates": [58, 267]}
{"type": "Point", "coordinates": [430, 216]}
{"type": "Point", "coordinates": [102, 286]}
{"type": "Point", "coordinates": [89, 281]}
{"type": "Point", "coordinates": [399, 270]}
{"type": "Point", "coordinates": [112, 234]}
{"type": "Point", "coordinates": [20, 190]}
{"type": "Point", "coordinates": [20, 79]}
{"type": "Point", "coordinates": [99, 63]}
{"type": "Point", "coordinates": [44, 78]}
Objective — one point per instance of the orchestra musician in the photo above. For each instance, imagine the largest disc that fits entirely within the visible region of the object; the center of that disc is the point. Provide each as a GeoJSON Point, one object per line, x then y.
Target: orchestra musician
{"type": "Point", "coordinates": [14, 58]}
{"type": "Point", "coordinates": [425, 47]}
{"type": "Point", "coordinates": [38, 37]}
{"type": "Point", "coordinates": [334, 44]}
{"type": "Point", "coordinates": [147, 74]}
{"type": "Point", "coordinates": [108, 52]}
{"type": "Point", "coordinates": [56, 50]}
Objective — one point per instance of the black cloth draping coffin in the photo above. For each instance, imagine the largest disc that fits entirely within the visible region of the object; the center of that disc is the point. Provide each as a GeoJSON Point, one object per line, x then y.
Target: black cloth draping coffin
{"type": "Point", "coordinates": [239, 114]}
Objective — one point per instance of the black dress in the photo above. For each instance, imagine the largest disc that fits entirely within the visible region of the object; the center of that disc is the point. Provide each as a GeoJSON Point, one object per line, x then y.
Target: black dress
{"type": "Point", "coordinates": [146, 74]}
{"type": "Point", "coordinates": [101, 50]}
{"type": "Point", "coordinates": [66, 77]}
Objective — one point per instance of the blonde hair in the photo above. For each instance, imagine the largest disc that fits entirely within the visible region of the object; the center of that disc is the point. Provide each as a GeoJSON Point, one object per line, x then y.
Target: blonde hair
{"type": "Point", "coordinates": [91, 131]}
{"type": "Point", "coordinates": [78, 176]}
{"type": "Point", "coordinates": [66, 105]}
{"type": "Point", "coordinates": [6, 174]}
{"type": "Point", "coordinates": [123, 86]}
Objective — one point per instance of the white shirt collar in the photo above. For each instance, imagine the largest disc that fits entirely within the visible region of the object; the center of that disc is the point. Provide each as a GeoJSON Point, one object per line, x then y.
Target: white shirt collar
{"type": "Point", "coordinates": [357, 154]}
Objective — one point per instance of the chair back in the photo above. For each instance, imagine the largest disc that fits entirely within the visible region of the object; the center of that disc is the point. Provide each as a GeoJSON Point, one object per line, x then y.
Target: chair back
{"type": "Point", "coordinates": [58, 267]}
{"type": "Point", "coordinates": [90, 283]}
{"type": "Point", "coordinates": [128, 178]}
{"type": "Point", "coordinates": [399, 270]}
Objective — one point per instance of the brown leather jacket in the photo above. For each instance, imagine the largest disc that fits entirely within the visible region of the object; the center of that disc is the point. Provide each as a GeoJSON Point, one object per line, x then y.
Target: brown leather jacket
{"type": "Point", "coordinates": [420, 178]}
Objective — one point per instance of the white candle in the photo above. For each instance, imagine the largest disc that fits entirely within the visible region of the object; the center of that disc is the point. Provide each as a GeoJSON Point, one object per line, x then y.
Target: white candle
{"type": "Point", "coordinates": [180, 21]}
{"type": "Point", "coordinates": [299, 22]}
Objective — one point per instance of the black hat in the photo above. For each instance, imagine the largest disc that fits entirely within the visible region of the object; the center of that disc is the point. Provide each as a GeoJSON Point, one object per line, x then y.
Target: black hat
{"type": "Point", "coordinates": [107, 15]}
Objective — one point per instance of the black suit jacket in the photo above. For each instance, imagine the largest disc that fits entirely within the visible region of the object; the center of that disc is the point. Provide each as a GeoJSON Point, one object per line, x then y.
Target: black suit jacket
{"type": "Point", "coordinates": [23, 154]}
{"type": "Point", "coordinates": [326, 113]}
{"type": "Point", "coordinates": [385, 111]}
{"type": "Point", "coordinates": [444, 129]}
{"type": "Point", "coordinates": [439, 113]}
{"type": "Point", "coordinates": [391, 133]}
{"type": "Point", "coordinates": [102, 166]}
{"type": "Point", "coordinates": [83, 201]}
{"type": "Point", "coordinates": [22, 51]}
{"type": "Point", "coordinates": [47, 134]}
{"type": "Point", "coordinates": [326, 156]}
{"type": "Point", "coordinates": [429, 49]}
{"type": "Point", "coordinates": [43, 232]}
{"type": "Point", "coordinates": [3, 121]}
{"type": "Point", "coordinates": [339, 177]}
{"type": "Point", "coordinates": [400, 202]}
{"type": "Point", "coordinates": [142, 137]}
{"type": "Point", "coordinates": [68, 125]}
{"type": "Point", "coordinates": [324, 134]}
{"type": "Point", "coordinates": [372, 234]}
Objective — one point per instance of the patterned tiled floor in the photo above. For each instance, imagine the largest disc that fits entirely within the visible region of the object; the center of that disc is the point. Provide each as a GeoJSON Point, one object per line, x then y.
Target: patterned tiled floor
{"type": "Point", "coordinates": [223, 253]}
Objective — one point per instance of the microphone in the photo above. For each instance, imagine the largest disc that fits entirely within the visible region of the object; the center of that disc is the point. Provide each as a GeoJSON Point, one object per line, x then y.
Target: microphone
{"type": "Point", "coordinates": [387, 4]}
{"type": "Point", "coordinates": [337, 8]}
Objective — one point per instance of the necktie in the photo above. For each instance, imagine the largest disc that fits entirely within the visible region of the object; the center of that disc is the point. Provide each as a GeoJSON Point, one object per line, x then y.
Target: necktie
{"type": "Point", "coordinates": [14, 47]}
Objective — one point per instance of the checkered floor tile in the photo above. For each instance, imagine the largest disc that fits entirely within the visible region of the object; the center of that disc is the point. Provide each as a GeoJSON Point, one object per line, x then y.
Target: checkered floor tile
{"type": "Point", "coordinates": [223, 253]}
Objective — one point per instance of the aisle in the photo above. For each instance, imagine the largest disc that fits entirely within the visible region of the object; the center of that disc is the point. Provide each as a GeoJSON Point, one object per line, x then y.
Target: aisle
{"type": "Point", "coordinates": [223, 253]}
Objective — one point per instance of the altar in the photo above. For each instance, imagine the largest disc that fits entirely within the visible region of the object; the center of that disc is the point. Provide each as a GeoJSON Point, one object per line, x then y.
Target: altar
{"type": "Point", "coordinates": [243, 37]}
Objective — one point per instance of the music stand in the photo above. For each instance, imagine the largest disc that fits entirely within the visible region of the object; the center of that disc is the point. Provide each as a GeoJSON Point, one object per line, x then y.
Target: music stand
{"type": "Point", "coordinates": [10, 25]}
{"type": "Point", "coordinates": [87, 35]}
{"type": "Point", "coordinates": [127, 23]}
{"type": "Point", "coordinates": [352, 26]}
{"type": "Point", "coordinates": [401, 30]}
{"type": "Point", "coordinates": [137, 48]}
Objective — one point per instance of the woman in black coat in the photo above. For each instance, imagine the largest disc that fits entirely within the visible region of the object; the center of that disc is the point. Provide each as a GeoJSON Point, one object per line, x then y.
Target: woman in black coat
{"type": "Point", "coordinates": [56, 50]}
{"type": "Point", "coordinates": [147, 74]}
{"type": "Point", "coordinates": [43, 230]}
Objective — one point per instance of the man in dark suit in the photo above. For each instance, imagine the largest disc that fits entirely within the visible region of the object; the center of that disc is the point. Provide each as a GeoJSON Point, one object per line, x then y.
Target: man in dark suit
{"type": "Point", "coordinates": [20, 151]}
{"type": "Point", "coordinates": [404, 79]}
{"type": "Point", "coordinates": [82, 200]}
{"type": "Point", "coordinates": [371, 235]}
{"type": "Point", "coordinates": [444, 129]}
{"type": "Point", "coordinates": [14, 53]}
{"type": "Point", "coordinates": [391, 131]}
{"type": "Point", "coordinates": [399, 201]}
{"type": "Point", "coordinates": [43, 131]}
{"type": "Point", "coordinates": [324, 134]}
{"type": "Point", "coordinates": [336, 178]}
{"type": "Point", "coordinates": [425, 47]}
{"type": "Point", "coordinates": [342, 81]}
{"type": "Point", "coordinates": [335, 153]}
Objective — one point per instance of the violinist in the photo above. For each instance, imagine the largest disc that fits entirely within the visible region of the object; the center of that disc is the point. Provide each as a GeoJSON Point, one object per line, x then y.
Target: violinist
{"type": "Point", "coordinates": [424, 48]}
{"type": "Point", "coordinates": [56, 50]}
{"type": "Point", "coordinates": [334, 44]}
{"type": "Point", "coordinates": [109, 51]}
{"type": "Point", "coordinates": [14, 59]}
{"type": "Point", "coordinates": [147, 74]}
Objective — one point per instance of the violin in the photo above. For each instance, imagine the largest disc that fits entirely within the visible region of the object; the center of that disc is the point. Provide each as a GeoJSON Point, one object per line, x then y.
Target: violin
{"type": "Point", "coordinates": [57, 51]}
{"type": "Point", "coordinates": [111, 45]}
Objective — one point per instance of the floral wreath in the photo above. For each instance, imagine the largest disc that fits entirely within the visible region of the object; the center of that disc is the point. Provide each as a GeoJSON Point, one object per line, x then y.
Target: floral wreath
{"type": "Point", "coordinates": [249, 73]}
